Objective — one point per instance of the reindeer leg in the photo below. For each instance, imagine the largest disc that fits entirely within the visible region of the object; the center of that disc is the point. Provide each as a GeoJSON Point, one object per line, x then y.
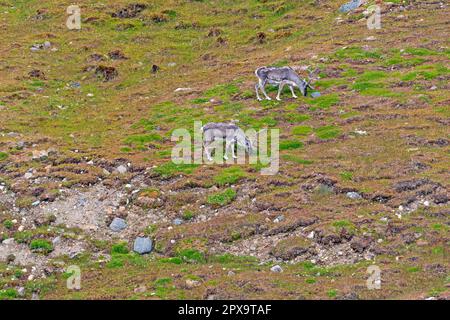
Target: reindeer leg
{"type": "Point", "coordinates": [208, 155]}
{"type": "Point", "coordinates": [227, 146]}
{"type": "Point", "coordinates": [293, 92]}
{"type": "Point", "coordinates": [233, 152]}
{"type": "Point", "coordinates": [257, 93]}
{"type": "Point", "coordinates": [262, 86]}
{"type": "Point", "coordinates": [280, 88]}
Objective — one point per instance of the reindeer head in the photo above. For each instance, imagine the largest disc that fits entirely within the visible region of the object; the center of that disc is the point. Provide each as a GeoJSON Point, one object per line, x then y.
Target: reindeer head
{"type": "Point", "coordinates": [244, 142]}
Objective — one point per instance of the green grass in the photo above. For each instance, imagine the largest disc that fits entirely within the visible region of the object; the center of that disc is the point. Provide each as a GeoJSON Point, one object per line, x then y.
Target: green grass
{"type": "Point", "coordinates": [8, 294]}
{"type": "Point", "coordinates": [3, 156]}
{"type": "Point", "coordinates": [419, 52]}
{"type": "Point", "coordinates": [347, 176]}
{"type": "Point", "coordinates": [222, 91]}
{"type": "Point", "coordinates": [41, 245]}
{"type": "Point", "coordinates": [170, 169]}
{"type": "Point", "coordinates": [163, 287]}
{"type": "Point", "coordinates": [332, 293]}
{"type": "Point", "coordinates": [327, 132]}
{"type": "Point", "coordinates": [8, 224]}
{"type": "Point", "coordinates": [140, 141]}
{"type": "Point", "coordinates": [290, 144]}
{"type": "Point", "coordinates": [188, 215]}
{"type": "Point", "coordinates": [296, 117]}
{"type": "Point", "coordinates": [324, 101]}
{"type": "Point", "coordinates": [295, 159]}
{"type": "Point", "coordinates": [302, 130]}
{"type": "Point", "coordinates": [229, 175]}
{"type": "Point", "coordinates": [191, 256]}
{"type": "Point", "coordinates": [23, 236]}
{"type": "Point", "coordinates": [356, 53]}
{"type": "Point", "coordinates": [120, 248]}
{"type": "Point", "coordinates": [372, 75]}
{"type": "Point", "coordinates": [222, 198]}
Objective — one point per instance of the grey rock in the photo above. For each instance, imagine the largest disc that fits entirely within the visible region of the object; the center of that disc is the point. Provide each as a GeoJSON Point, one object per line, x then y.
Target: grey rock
{"type": "Point", "coordinates": [56, 240]}
{"type": "Point", "coordinates": [276, 268]}
{"type": "Point", "coordinates": [8, 241]}
{"type": "Point", "coordinates": [118, 224]}
{"type": "Point", "coordinates": [353, 195]}
{"type": "Point", "coordinates": [21, 291]}
{"type": "Point", "coordinates": [142, 245]}
{"type": "Point", "coordinates": [20, 145]}
{"type": "Point", "coordinates": [121, 169]}
{"type": "Point", "coordinates": [28, 175]}
{"type": "Point", "coordinates": [279, 219]}
{"type": "Point", "coordinates": [315, 94]}
{"type": "Point", "coordinates": [177, 221]}
{"type": "Point", "coordinates": [352, 5]}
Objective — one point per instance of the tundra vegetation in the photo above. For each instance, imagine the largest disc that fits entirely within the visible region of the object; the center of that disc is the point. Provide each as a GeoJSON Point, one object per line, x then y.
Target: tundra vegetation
{"type": "Point", "coordinates": [86, 118]}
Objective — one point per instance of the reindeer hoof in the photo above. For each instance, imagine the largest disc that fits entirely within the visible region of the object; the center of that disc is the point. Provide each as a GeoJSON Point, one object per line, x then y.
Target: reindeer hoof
{"type": "Point", "coordinates": [268, 98]}
{"type": "Point", "coordinates": [235, 157]}
{"type": "Point", "coordinates": [259, 99]}
{"type": "Point", "coordinates": [295, 97]}
{"type": "Point", "coordinates": [225, 157]}
{"type": "Point", "coordinates": [278, 99]}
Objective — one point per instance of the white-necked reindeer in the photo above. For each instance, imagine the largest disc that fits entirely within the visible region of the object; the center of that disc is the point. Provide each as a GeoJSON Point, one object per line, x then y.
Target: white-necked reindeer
{"type": "Point", "coordinates": [281, 76]}
{"type": "Point", "coordinates": [229, 132]}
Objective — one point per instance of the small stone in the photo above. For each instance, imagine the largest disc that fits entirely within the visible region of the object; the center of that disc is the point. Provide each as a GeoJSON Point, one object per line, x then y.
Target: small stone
{"type": "Point", "coordinates": [371, 38]}
{"type": "Point", "coordinates": [353, 195]}
{"type": "Point", "coordinates": [315, 94]}
{"type": "Point", "coordinates": [192, 283]}
{"type": "Point", "coordinates": [121, 169]}
{"type": "Point", "coordinates": [142, 245]}
{"type": "Point", "coordinates": [140, 289]}
{"type": "Point", "coordinates": [183, 89]}
{"type": "Point", "coordinates": [8, 241]}
{"type": "Point", "coordinates": [276, 268]}
{"type": "Point", "coordinates": [177, 221]}
{"type": "Point", "coordinates": [56, 240]}
{"type": "Point", "coordinates": [20, 145]}
{"type": "Point", "coordinates": [231, 273]}
{"type": "Point", "coordinates": [118, 224]}
{"type": "Point", "coordinates": [426, 203]}
{"type": "Point", "coordinates": [28, 175]}
{"type": "Point", "coordinates": [279, 219]}
{"type": "Point", "coordinates": [21, 291]}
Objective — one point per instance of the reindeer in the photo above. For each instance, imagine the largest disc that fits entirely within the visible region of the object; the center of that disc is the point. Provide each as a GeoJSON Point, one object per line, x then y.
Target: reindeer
{"type": "Point", "coordinates": [281, 76]}
{"type": "Point", "coordinates": [228, 131]}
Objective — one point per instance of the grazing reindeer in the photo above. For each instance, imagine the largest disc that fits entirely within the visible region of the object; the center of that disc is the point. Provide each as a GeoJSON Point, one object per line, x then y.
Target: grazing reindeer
{"type": "Point", "coordinates": [228, 131]}
{"type": "Point", "coordinates": [281, 76]}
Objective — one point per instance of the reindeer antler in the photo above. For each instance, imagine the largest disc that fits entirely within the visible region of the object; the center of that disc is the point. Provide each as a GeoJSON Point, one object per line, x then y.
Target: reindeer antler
{"type": "Point", "coordinates": [312, 76]}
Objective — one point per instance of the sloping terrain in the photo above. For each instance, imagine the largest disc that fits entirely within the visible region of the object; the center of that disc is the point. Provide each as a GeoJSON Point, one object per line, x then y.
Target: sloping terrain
{"type": "Point", "coordinates": [86, 118]}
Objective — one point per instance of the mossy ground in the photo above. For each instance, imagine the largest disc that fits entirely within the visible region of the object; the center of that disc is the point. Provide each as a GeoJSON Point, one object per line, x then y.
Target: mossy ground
{"type": "Point", "coordinates": [213, 47]}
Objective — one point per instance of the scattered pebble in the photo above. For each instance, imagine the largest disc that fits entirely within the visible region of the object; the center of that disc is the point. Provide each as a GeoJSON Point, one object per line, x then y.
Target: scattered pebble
{"type": "Point", "coordinates": [353, 195]}
{"type": "Point", "coordinates": [142, 245]}
{"type": "Point", "coordinates": [118, 224]}
{"type": "Point", "coordinates": [276, 268]}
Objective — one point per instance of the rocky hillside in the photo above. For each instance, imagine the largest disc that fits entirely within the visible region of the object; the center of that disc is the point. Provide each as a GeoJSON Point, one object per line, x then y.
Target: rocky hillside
{"type": "Point", "coordinates": [86, 177]}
